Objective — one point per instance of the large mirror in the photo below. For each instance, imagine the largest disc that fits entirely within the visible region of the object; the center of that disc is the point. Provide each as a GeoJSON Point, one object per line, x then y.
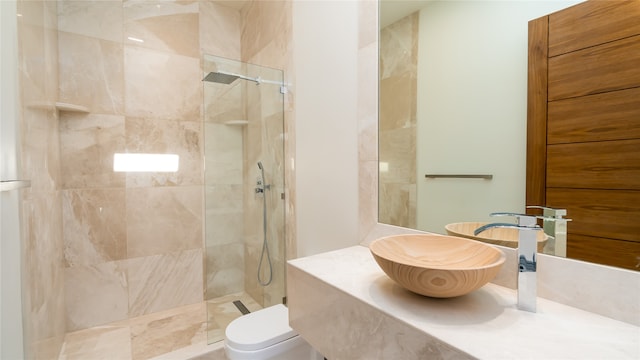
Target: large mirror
{"type": "Point", "coordinates": [453, 109]}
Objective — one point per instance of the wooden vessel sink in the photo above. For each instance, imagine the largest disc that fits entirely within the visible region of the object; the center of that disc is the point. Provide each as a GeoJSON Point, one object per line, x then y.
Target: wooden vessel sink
{"type": "Point", "coordinates": [497, 236]}
{"type": "Point", "coordinates": [437, 265]}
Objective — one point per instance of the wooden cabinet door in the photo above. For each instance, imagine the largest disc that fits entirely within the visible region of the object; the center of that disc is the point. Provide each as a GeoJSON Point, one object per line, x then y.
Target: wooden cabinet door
{"type": "Point", "coordinates": [583, 141]}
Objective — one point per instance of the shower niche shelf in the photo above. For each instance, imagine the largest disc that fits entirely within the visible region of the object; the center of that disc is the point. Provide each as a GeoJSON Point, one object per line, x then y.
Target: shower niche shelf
{"type": "Point", "coordinates": [236, 122]}
{"type": "Point", "coordinates": [61, 106]}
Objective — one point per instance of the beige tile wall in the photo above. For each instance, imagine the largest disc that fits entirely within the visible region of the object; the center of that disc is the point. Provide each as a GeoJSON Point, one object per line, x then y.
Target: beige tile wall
{"type": "Point", "coordinates": [132, 242]}
{"type": "Point", "coordinates": [266, 40]}
{"type": "Point", "coordinates": [43, 275]}
{"type": "Point", "coordinates": [146, 97]}
{"type": "Point", "coordinates": [224, 191]}
{"type": "Point", "coordinates": [397, 128]}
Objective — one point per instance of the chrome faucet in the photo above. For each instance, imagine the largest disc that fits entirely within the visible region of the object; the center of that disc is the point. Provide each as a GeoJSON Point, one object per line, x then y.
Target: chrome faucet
{"type": "Point", "coordinates": [555, 226]}
{"type": "Point", "coordinates": [527, 259]}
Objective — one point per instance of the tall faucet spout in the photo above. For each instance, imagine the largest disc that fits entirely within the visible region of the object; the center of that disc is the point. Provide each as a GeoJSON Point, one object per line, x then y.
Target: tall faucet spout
{"type": "Point", "coordinates": [486, 227]}
{"type": "Point", "coordinates": [527, 269]}
{"type": "Point", "coordinates": [527, 257]}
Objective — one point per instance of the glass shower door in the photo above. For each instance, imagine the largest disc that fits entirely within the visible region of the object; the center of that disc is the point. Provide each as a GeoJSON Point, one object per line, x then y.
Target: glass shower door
{"type": "Point", "coordinates": [244, 187]}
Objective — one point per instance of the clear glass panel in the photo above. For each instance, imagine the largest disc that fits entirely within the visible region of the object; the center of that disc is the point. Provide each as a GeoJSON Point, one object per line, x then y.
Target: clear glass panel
{"type": "Point", "coordinates": [244, 127]}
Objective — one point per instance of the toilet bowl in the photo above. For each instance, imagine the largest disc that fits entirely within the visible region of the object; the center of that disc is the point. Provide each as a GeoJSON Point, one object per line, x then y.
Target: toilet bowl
{"type": "Point", "coordinates": [265, 334]}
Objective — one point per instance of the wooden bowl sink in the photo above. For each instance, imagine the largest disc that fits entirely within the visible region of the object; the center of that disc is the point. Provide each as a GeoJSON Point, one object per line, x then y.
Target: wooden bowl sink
{"type": "Point", "coordinates": [437, 265]}
{"type": "Point", "coordinates": [497, 236]}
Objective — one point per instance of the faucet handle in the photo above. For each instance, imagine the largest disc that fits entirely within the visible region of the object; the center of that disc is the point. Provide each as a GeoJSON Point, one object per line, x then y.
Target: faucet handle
{"type": "Point", "coordinates": [550, 212]}
{"type": "Point", "coordinates": [508, 214]}
{"type": "Point", "coordinates": [522, 219]}
{"type": "Point", "coordinates": [485, 227]}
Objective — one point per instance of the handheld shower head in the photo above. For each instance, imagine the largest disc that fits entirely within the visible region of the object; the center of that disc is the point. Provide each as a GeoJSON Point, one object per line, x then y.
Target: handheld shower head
{"type": "Point", "coordinates": [262, 186]}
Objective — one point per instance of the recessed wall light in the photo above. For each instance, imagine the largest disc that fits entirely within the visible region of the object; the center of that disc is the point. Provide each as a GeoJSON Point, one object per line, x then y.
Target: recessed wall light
{"type": "Point", "coordinates": [145, 162]}
{"type": "Point", "coordinates": [135, 39]}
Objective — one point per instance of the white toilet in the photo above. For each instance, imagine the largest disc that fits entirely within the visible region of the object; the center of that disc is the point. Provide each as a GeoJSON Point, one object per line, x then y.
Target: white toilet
{"type": "Point", "coordinates": [265, 334]}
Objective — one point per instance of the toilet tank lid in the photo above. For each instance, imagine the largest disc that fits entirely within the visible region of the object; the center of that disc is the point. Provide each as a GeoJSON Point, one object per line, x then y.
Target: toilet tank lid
{"type": "Point", "coordinates": [260, 329]}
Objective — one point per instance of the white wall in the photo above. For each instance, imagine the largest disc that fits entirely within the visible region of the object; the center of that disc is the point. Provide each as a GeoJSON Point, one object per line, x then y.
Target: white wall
{"type": "Point", "coordinates": [472, 107]}
{"type": "Point", "coordinates": [11, 339]}
{"type": "Point", "coordinates": [325, 35]}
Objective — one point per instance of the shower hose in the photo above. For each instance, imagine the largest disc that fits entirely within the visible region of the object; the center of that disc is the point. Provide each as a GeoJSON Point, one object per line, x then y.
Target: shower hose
{"type": "Point", "coordinates": [265, 247]}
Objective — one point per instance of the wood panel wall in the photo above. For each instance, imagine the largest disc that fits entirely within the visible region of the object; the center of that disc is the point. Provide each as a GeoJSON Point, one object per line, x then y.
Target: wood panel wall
{"type": "Point", "coordinates": [583, 145]}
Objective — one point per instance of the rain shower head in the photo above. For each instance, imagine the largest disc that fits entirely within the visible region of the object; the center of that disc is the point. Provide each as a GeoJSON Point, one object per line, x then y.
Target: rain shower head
{"type": "Point", "coordinates": [220, 77]}
{"type": "Point", "coordinates": [223, 77]}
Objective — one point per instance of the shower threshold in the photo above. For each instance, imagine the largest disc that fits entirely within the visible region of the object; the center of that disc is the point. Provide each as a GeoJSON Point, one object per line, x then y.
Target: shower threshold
{"type": "Point", "coordinates": [178, 333]}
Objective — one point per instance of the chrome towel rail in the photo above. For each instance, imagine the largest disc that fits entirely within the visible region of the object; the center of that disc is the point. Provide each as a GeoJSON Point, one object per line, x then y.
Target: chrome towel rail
{"type": "Point", "coordinates": [458, 176]}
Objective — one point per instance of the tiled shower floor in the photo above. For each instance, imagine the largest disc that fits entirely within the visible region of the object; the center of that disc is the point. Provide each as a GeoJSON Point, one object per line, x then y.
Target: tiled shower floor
{"type": "Point", "coordinates": [178, 333]}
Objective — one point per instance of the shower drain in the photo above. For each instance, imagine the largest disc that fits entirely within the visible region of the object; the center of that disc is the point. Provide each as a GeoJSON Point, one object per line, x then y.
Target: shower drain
{"type": "Point", "coordinates": [243, 309]}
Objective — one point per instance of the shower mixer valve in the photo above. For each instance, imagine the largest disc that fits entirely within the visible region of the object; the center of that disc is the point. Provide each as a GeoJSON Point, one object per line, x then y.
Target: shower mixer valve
{"type": "Point", "coordinates": [260, 187]}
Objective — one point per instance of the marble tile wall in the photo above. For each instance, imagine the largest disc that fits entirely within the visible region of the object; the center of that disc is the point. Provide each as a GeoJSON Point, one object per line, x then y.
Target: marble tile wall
{"type": "Point", "coordinates": [121, 230]}
{"type": "Point", "coordinates": [133, 243]}
{"type": "Point", "coordinates": [220, 28]}
{"type": "Point", "coordinates": [266, 40]}
{"type": "Point", "coordinates": [177, 333]}
{"type": "Point", "coordinates": [43, 268]}
{"type": "Point", "coordinates": [398, 86]}
{"type": "Point", "coordinates": [224, 191]}
{"type": "Point", "coordinates": [117, 237]}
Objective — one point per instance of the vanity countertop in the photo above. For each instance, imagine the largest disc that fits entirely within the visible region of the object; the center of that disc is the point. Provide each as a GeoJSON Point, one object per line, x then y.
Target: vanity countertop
{"type": "Point", "coordinates": [486, 323]}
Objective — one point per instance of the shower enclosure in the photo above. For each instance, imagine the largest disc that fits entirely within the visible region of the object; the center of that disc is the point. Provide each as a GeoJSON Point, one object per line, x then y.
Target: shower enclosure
{"type": "Point", "coordinates": [244, 190]}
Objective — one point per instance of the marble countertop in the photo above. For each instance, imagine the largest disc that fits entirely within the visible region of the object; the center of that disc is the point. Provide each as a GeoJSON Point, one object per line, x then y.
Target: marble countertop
{"type": "Point", "coordinates": [486, 323]}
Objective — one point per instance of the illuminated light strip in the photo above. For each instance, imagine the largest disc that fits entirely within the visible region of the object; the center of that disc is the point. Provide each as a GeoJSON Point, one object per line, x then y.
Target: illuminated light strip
{"type": "Point", "coordinates": [145, 162]}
